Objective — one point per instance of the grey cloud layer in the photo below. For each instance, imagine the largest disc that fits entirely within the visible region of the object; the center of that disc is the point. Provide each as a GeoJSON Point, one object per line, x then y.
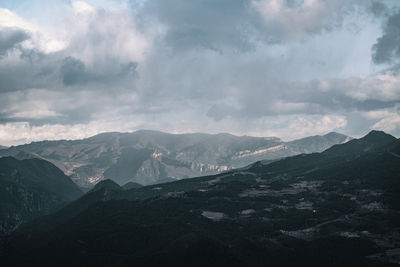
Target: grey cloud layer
{"type": "Point", "coordinates": [242, 24]}
{"type": "Point", "coordinates": [210, 61]}
{"type": "Point", "coordinates": [10, 37]}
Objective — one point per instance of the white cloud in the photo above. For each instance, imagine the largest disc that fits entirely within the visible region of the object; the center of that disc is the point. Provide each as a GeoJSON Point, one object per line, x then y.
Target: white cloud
{"type": "Point", "coordinates": [99, 37]}
{"type": "Point", "coordinates": [89, 34]}
{"type": "Point", "coordinates": [23, 132]}
{"type": "Point", "coordinates": [40, 39]}
{"type": "Point", "coordinates": [81, 7]}
{"type": "Point", "coordinates": [303, 126]}
{"type": "Point", "coordinates": [378, 114]}
{"type": "Point", "coordinates": [389, 123]}
{"type": "Point", "coordinates": [291, 20]}
{"type": "Point", "coordinates": [382, 86]}
{"type": "Point", "coordinates": [11, 19]}
{"type": "Point", "coordinates": [37, 113]}
{"type": "Point", "coordinates": [294, 21]}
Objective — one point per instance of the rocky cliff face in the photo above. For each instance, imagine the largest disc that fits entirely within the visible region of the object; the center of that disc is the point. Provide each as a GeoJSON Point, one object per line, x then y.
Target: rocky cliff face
{"type": "Point", "coordinates": [149, 157]}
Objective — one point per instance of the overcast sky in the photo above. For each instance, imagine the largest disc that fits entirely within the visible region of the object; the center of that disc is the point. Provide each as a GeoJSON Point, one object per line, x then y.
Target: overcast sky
{"type": "Point", "coordinates": [286, 68]}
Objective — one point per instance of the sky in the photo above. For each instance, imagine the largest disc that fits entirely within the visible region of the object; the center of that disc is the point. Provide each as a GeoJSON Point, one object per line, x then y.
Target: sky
{"type": "Point", "coordinates": [285, 68]}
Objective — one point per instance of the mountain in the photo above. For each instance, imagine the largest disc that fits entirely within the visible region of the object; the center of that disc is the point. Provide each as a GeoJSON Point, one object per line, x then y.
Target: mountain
{"type": "Point", "coordinates": [3, 147]}
{"type": "Point", "coordinates": [319, 209]}
{"type": "Point", "coordinates": [107, 184]}
{"type": "Point", "coordinates": [150, 157]}
{"type": "Point", "coordinates": [29, 188]}
{"type": "Point", "coordinates": [317, 143]}
{"type": "Point", "coordinates": [374, 140]}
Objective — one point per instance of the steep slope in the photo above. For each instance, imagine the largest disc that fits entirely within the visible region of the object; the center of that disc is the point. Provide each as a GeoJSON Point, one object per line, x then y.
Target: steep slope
{"type": "Point", "coordinates": [29, 188]}
{"type": "Point", "coordinates": [321, 209]}
{"type": "Point", "coordinates": [150, 157]}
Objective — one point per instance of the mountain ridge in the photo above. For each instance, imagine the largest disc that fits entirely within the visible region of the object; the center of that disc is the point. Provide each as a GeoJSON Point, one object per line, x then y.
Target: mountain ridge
{"type": "Point", "coordinates": [149, 157]}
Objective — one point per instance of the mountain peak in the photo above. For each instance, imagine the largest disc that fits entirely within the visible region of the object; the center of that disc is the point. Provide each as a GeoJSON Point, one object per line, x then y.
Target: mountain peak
{"type": "Point", "coordinates": [107, 183]}
{"type": "Point", "coordinates": [378, 134]}
{"type": "Point", "coordinates": [373, 141]}
{"type": "Point", "coordinates": [377, 138]}
{"type": "Point", "coordinates": [334, 134]}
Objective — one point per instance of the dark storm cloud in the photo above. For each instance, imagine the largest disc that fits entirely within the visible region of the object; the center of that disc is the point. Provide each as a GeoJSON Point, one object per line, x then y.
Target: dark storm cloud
{"type": "Point", "coordinates": [10, 37]}
{"type": "Point", "coordinates": [387, 47]}
{"type": "Point", "coordinates": [13, 76]}
{"type": "Point", "coordinates": [28, 68]}
{"type": "Point", "coordinates": [73, 71]}
{"type": "Point", "coordinates": [378, 8]}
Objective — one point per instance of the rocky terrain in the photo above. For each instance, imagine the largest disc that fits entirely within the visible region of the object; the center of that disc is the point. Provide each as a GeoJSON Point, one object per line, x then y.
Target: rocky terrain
{"type": "Point", "coordinates": [150, 157]}
{"type": "Point", "coordinates": [335, 208]}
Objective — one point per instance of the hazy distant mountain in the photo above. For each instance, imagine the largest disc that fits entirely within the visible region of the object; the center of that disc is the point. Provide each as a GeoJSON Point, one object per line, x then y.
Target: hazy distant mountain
{"type": "Point", "coordinates": [335, 208]}
{"type": "Point", "coordinates": [3, 147]}
{"type": "Point", "coordinates": [148, 157]}
{"type": "Point", "coordinates": [29, 188]}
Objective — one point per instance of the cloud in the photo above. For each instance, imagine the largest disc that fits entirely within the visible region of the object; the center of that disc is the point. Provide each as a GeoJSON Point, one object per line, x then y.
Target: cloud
{"type": "Point", "coordinates": [387, 48]}
{"type": "Point", "coordinates": [292, 21]}
{"type": "Point", "coordinates": [100, 46]}
{"type": "Point", "coordinates": [73, 71]}
{"type": "Point", "coordinates": [378, 8]}
{"type": "Point", "coordinates": [10, 19]}
{"type": "Point", "coordinates": [23, 132]}
{"type": "Point", "coordinates": [81, 7]}
{"type": "Point", "coordinates": [242, 25]}
{"type": "Point", "coordinates": [10, 37]}
{"type": "Point", "coordinates": [325, 96]}
{"type": "Point", "coordinates": [389, 123]}
{"type": "Point", "coordinates": [310, 125]}
{"type": "Point", "coordinates": [293, 127]}
{"type": "Point", "coordinates": [215, 25]}
{"type": "Point", "coordinates": [265, 67]}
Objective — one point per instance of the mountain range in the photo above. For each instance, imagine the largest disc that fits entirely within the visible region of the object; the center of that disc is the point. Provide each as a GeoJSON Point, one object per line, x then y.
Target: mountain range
{"type": "Point", "coordinates": [151, 157]}
{"type": "Point", "coordinates": [339, 207]}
